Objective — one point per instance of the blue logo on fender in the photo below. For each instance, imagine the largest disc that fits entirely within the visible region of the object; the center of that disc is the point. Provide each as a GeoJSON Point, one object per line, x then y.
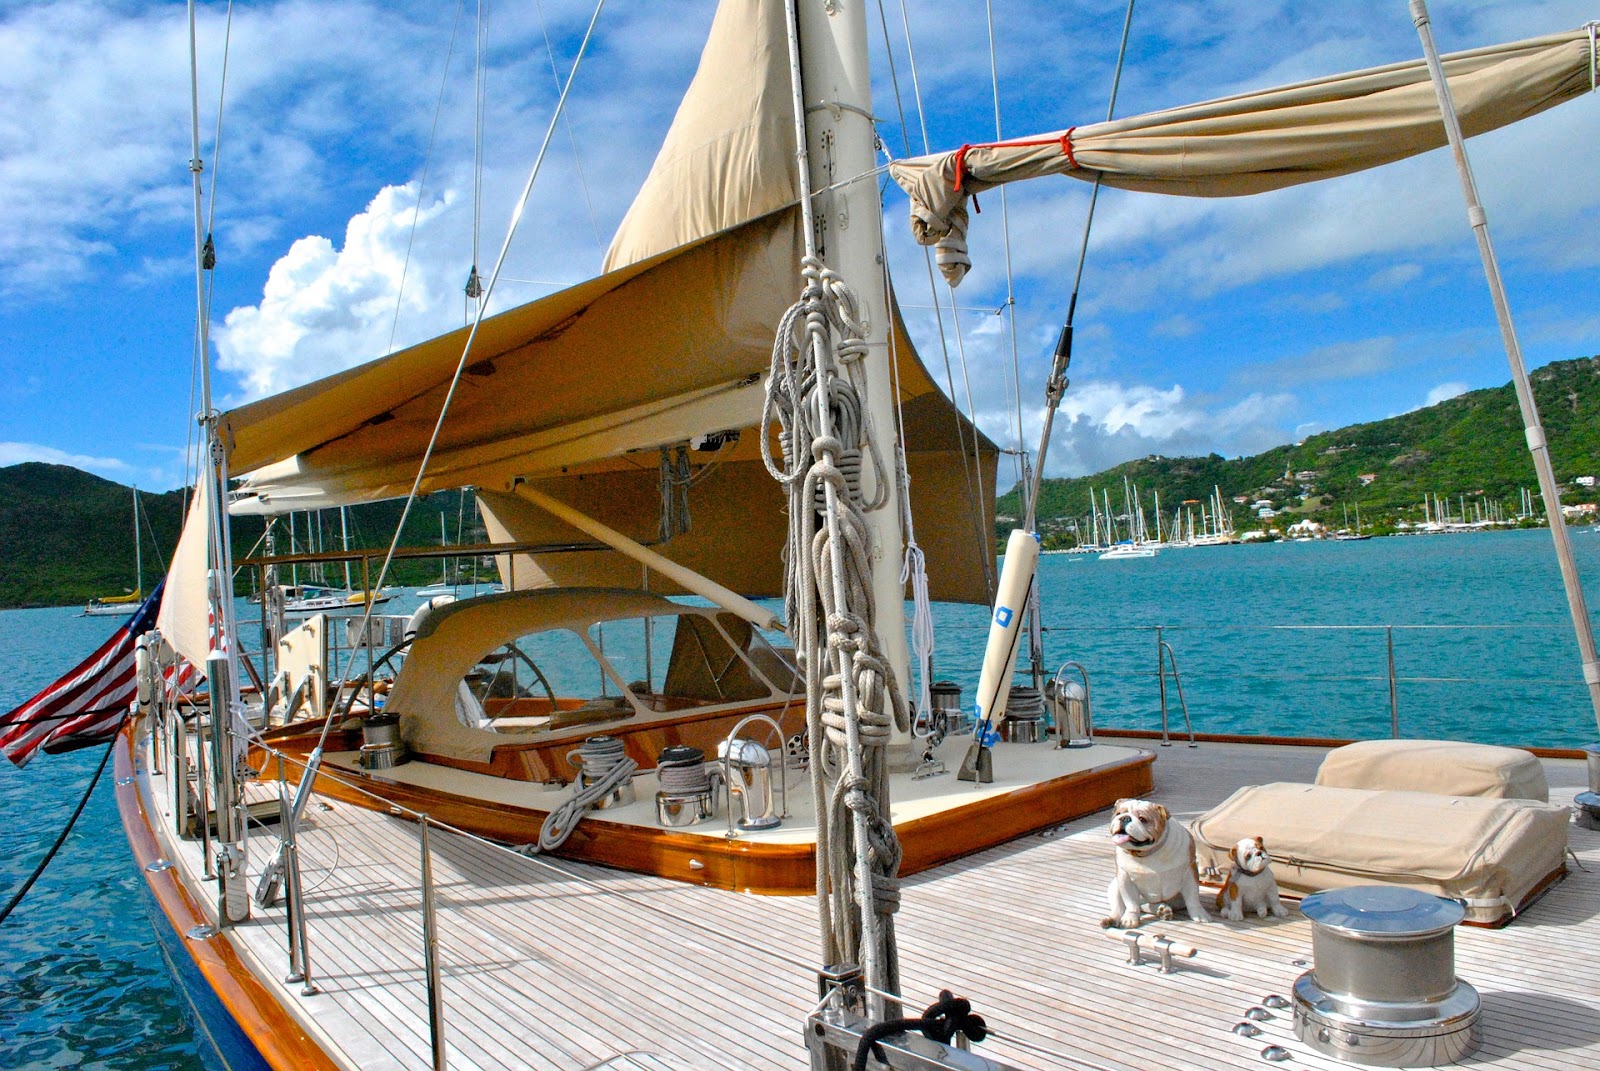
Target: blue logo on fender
{"type": "Point", "coordinates": [1003, 615]}
{"type": "Point", "coordinates": [988, 736]}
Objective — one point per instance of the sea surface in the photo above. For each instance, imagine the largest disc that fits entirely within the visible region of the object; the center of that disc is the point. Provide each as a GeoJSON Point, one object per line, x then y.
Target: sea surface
{"type": "Point", "coordinates": [1289, 638]}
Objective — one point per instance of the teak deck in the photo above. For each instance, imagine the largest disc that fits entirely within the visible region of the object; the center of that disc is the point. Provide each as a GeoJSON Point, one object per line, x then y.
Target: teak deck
{"type": "Point", "coordinates": [562, 966]}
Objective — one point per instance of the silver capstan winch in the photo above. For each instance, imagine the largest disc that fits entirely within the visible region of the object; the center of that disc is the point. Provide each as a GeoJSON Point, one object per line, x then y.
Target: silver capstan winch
{"type": "Point", "coordinates": [1383, 988]}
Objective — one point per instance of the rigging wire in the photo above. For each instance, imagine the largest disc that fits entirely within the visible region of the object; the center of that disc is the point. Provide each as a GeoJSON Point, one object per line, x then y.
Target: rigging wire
{"type": "Point", "coordinates": [422, 182]}
{"type": "Point", "coordinates": [1005, 231]}
{"type": "Point", "coordinates": [1056, 386]}
{"type": "Point", "coordinates": [572, 136]}
{"type": "Point", "coordinates": [190, 473]}
{"type": "Point", "coordinates": [148, 527]}
{"type": "Point", "coordinates": [971, 464]}
{"type": "Point", "coordinates": [913, 566]}
{"type": "Point", "coordinates": [466, 350]}
{"type": "Point", "coordinates": [480, 91]}
{"type": "Point", "coordinates": [916, 81]}
{"type": "Point", "coordinates": [894, 81]}
{"type": "Point", "coordinates": [38, 871]}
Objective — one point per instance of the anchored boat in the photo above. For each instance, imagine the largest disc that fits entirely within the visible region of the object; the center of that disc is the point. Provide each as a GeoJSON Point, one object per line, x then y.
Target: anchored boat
{"type": "Point", "coordinates": [508, 831]}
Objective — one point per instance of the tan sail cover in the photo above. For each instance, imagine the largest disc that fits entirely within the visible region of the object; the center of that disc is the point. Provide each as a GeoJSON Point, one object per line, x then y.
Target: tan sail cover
{"type": "Point", "coordinates": [1489, 853]}
{"type": "Point", "coordinates": [1256, 142]}
{"type": "Point", "coordinates": [1448, 767]}
{"type": "Point", "coordinates": [578, 391]}
{"type": "Point", "coordinates": [729, 155]}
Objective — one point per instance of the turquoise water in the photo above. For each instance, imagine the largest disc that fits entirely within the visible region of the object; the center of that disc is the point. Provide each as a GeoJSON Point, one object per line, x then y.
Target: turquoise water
{"type": "Point", "coordinates": [82, 983]}
{"type": "Point", "coordinates": [1483, 650]}
{"type": "Point", "coordinates": [1266, 641]}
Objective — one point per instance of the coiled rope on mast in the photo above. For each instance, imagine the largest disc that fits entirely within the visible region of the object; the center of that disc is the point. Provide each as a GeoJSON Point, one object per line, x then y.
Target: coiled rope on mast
{"type": "Point", "coordinates": [814, 394]}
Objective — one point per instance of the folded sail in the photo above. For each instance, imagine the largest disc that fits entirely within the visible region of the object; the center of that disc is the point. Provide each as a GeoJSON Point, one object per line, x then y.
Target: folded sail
{"type": "Point", "coordinates": [577, 392]}
{"type": "Point", "coordinates": [1256, 142]}
{"type": "Point", "coordinates": [729, 155]}
{"type": "Point", "coordinates": [186, 620]}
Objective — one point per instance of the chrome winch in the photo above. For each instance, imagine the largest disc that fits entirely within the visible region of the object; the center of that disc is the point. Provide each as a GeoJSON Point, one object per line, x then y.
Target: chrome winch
{"type": "Point", "coordinates": [1383, 988]}
{"type": "Point", "coordinates": [688, 791]}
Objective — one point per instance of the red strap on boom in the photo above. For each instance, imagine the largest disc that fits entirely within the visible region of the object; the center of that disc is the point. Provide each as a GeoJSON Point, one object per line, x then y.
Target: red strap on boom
{"type": "Point", "coordinates": [1065, 141]}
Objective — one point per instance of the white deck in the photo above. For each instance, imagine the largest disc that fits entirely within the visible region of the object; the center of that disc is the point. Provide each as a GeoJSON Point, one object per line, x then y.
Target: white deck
{"type": "Point", "coordinates": [565, 970]}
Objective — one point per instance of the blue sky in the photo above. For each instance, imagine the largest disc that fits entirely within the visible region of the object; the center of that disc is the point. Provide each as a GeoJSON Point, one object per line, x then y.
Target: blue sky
{"type": "Point", "coordinates": [1226, 325]}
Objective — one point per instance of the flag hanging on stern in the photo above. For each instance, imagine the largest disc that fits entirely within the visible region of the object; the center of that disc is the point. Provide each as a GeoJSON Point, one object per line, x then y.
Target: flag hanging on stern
{"type": "Point", "coordinates": [87, 705]}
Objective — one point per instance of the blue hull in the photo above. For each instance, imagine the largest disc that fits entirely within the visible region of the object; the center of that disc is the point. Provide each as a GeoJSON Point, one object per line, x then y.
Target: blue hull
{"type": "Point", "coordinates": [221, 1043]}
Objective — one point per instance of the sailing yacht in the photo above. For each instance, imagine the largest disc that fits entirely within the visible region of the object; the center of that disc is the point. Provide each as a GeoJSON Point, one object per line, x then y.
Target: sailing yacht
{"type": "Point", "coordinates": [575, 790]}
{"type": "Point", "coordinates": [123, 605]}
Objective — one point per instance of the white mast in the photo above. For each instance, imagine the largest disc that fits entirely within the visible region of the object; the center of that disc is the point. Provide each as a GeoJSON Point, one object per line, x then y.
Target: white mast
{"type": "Point", "coordinates": [842, 148]}
{"type": "Point", "coordinates": [138, 552]}
{"type": "Point", "coordinates": [1532, 426]}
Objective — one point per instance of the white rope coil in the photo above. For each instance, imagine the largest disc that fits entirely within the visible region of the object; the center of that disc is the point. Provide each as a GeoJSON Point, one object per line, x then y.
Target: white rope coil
{"type": "Point", "coordinates": [816, 385]}
{"type": "Point", "coordinates": [606, 768]}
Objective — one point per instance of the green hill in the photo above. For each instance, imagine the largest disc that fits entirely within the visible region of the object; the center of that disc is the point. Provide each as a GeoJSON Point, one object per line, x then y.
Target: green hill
{"type": "Point", "coordinates": [1471, 446]}
{"type": "Point", "coordinates": [67, 536]}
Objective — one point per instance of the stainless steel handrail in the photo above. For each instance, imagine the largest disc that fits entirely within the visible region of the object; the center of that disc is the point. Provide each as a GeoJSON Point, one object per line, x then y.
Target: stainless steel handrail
{"type": "Point", "coordinates": [1165, 657]}
{"type": "Point", "coordinates": [430, 952]}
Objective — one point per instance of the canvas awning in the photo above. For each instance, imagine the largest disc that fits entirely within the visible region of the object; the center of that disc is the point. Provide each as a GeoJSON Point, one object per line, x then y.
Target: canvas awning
{"type": "Point", "coordinates": [578, 390]}
{"type": "Point", "coordinates": [1255, 142]}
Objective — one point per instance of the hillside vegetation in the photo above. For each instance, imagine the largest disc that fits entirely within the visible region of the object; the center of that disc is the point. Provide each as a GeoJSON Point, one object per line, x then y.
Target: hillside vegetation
{"type": "Point", "coordinates": [67, 536]}
{"type": "Point", "coordinates": [1471, 446]}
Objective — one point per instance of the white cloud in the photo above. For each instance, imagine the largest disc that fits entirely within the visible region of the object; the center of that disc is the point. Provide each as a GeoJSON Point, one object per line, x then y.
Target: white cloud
{"type": "Point", "coordinates": [325, 309]}
{"type": "Point", "coordinates": [1179, 326]}
{"type": "Point", "coordinates": [327, 100]}
{"type": "Point", "coordinates": [1342, 360]}
{"type": "Point", "coordinates": [1444, 392]}
{"type": "Point", "coordinates": [1102, 424]}
{"type": "Point", "coordinates": [1394, 277]}
{"type": "Point", "coordinates": [20, 453]}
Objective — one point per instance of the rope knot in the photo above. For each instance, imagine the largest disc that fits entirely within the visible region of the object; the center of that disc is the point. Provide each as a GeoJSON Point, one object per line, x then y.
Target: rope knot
{"type": "Point", "coordinates": [940, 1022]}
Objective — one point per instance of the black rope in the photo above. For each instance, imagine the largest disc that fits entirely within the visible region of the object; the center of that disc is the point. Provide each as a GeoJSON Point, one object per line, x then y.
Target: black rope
{"type": "Point", "coordinates": [943, 1020]}
{"type": "Point", "coordinates": [5, 912]}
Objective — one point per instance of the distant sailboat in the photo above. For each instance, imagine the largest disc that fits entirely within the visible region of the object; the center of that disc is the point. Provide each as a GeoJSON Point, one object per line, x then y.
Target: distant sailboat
{"type": "Point", "coordinates": [123, 605]}
{"type": "Point", "coordinates": [443, 587]}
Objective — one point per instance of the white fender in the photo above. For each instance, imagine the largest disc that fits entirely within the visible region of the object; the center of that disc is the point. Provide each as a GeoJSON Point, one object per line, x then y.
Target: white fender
{"type": "Point", "coordinates": [421, 614]}
{"type": "Point", "coordinates": [1005, 628]}
{"type": "Point", "coordinates": [144, 674]}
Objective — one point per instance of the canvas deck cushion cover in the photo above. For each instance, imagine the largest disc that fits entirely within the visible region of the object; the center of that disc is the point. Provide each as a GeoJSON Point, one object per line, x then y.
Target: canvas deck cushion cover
{"type": "Point", "coordinates": [1493, 854]}
{"type": "Point", "coordinates": [1448, 767]}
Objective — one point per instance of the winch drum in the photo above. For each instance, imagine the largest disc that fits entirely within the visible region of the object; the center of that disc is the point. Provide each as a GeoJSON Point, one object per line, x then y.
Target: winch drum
{"type": "Point", "coordinates": [1383, 989]}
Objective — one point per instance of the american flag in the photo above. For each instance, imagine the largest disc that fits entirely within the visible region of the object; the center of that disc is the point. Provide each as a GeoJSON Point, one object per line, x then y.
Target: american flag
{"type": "Point", "coordinates": [88, 704]}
